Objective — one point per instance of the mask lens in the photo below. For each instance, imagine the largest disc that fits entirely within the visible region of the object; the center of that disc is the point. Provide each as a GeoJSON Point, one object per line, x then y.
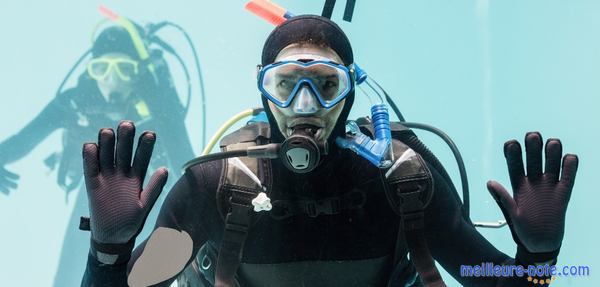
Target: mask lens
{"type": "Point", "coordinates": [98, 69]}
{"type": "Point", "coordinates": [329, 81]}
{"type": "Point", "coordinates": [127, 69]}
{"type": "Point", "coordinates": [280, 81]}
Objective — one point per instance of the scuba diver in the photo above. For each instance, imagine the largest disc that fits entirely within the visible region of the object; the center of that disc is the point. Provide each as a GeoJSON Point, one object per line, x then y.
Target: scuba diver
{"type": "Point", "coordinates": [118, 83]}
{"type": "Point", "coordinates": [298, 201]}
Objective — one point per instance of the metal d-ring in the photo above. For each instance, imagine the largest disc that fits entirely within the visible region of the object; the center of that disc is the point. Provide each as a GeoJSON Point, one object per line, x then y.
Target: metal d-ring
{"type": "Point", "coordinates": [206, 263]}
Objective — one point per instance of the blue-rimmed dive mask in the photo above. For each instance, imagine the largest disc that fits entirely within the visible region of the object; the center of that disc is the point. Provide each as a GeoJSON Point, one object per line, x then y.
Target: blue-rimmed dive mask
{"type": "Point", "coordinates": [326, 81]}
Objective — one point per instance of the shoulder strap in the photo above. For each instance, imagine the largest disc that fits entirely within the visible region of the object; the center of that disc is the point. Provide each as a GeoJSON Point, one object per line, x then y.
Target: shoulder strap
{"type": "Point", "coordinates": [234, 199]}
{"type": "Point", "coordinates": [409, 138]}
{"type": "Point", "coordinates": [409, 189]}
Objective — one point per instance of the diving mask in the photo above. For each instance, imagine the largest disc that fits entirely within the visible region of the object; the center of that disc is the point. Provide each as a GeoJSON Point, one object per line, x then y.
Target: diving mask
{"type": "Point", "coordinates": [330, 82]}
{"type": "Point", "coordinates": [100, 68]}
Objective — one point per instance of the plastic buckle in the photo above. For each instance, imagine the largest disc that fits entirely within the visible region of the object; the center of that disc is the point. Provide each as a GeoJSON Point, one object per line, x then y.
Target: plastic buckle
{"type": "Point", "coordinates": [311, 209]}
{"type": "Point", "coordinates": [411, 201]}
{"type": "Point", "coordinates": [281, 210]}
{"type": "Point", "coordinates": [327, 206]}
{"type": "Point", "coordinates": [84, 223]}
{"type": "Point", "coordinates": [234, 233]}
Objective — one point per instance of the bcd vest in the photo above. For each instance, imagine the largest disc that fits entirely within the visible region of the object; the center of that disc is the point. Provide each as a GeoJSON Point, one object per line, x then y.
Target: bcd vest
{"type": "Point", "coordinates": [408, 187]}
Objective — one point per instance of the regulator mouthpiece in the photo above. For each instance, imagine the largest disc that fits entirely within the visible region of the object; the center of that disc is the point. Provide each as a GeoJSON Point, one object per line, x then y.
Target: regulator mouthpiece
{"type": "Point", "coordinates": [300, 152]}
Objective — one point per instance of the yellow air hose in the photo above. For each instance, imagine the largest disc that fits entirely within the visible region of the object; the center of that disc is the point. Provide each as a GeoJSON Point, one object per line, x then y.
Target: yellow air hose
{"type": "Point", "coordinates": [215, 138]}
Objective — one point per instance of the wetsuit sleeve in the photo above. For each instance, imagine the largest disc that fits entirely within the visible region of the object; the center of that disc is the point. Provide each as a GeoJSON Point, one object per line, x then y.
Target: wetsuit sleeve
{"type": "Point", "coordinates": [189, 208]}
{"type": "Point", "coordinates": [54, 116]}
{"type": "Point", "coordinates": [454, 241]}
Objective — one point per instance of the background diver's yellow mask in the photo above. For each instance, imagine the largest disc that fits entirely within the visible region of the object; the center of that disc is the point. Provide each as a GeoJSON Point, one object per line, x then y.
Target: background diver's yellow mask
{"type": "Point", "coordinates": [100, 68]}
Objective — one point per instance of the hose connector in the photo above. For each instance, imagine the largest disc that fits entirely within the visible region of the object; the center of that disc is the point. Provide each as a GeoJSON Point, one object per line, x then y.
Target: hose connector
{"type": "Point", "coordinates": [378, 151]}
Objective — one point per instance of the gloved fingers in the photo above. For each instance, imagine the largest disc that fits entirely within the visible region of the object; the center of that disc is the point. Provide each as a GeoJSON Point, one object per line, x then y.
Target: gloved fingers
{"type": "Point", "coordinates": [143, 154]}
{"type": "Point", "coordinates": [514, 161]}
{"type": "Point", "coordinates": [8, 183]}
{"type": "Point", "coordinates": [506, 203]}
{"type": "Point", "coordinates": [567, 177]}
{"type": "Point", "coordinates": [533, 150]}
{"type": "Point", "coordinates": [4, 190]}
{"type": "Point", "coordinates": [8, 174]}
{"type": "Point", "coordinates": [553, 155]}
{"type": "Point", "coordinates": [91, 167]}
{"type": "Point", "coordinates": [154, 188]}
{"type": "Point", "coordinates": [106, 147]}
{"type": "Point", "coordinates": [125, 136]}
{"type": "Point", "coordinates": [8, 180]}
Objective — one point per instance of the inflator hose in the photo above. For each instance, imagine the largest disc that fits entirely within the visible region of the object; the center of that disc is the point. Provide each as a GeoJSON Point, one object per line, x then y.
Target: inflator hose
{"type": "Point", "coordinates": [411, 140]}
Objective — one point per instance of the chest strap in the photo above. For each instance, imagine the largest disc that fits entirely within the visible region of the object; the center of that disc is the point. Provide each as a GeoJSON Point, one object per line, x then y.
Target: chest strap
{"type": "Point", "coordinates": [282, 209]}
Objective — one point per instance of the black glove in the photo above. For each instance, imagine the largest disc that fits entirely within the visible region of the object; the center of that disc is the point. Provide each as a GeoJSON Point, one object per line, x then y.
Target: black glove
{"type": "Point", "coordinates": [536, 215]}
{"type": "Point", "coordinates": [118, 205]}
{"type": "Point", "coordinates": [8, 180]}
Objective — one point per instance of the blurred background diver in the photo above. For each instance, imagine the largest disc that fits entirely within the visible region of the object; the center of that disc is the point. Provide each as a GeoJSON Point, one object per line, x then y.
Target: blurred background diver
{"type": "Point", "coordinates": [123, 79]}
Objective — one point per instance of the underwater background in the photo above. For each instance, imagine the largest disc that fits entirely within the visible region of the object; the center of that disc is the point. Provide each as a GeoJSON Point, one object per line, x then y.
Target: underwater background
{"type": "Point", "coordinates": [483, 71]}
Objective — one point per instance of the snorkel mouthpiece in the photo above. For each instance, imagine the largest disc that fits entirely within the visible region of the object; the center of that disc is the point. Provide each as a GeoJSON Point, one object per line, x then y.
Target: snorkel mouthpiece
{"type": "Point", "coordinates": [377, 151]}
{"type": "Point", "coordinates": [300, 152]}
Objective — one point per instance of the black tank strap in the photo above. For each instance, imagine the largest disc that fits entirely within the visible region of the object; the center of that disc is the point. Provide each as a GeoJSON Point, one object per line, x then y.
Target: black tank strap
{"type": "Point", "coordinates": [237, 224]}
{"type": "Point", "coordinates": [409, 188]}
{"type": "Point", "coordinates": [234, 199]}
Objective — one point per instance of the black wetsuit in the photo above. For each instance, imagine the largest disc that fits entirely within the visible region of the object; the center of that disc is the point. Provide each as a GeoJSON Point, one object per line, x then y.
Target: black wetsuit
{"type": "Point", "coordinates": [353, 248]}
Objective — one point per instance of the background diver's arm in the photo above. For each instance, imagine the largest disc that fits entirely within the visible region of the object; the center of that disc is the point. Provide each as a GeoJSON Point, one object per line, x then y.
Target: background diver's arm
{"type": "Point", "coordinates": [54, 116]}
{"type": "Point", "coordinates": [186, 218]}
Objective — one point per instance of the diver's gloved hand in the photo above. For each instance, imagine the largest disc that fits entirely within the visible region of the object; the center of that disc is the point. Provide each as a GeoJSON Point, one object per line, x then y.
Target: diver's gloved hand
{"type": "Point", "coordinates": [536, 214]}
{"type": "Point", "coordinates": [118, 204]}
{"type": "Point", "coordinates": [8, 180]}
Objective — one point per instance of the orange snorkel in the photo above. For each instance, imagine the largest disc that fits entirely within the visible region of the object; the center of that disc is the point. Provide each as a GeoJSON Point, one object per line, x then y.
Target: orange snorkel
{"type": "Point", "coordinates": [269, 11]}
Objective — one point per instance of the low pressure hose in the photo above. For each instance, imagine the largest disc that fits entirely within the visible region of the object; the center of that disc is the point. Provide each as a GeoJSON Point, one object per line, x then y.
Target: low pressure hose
{"type": "Point", "coordinates": [215, 156]}
{"type": "Point", "coordinates": [269, 151]}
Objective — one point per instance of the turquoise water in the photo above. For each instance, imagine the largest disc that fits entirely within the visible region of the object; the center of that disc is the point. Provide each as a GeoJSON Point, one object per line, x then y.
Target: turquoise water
{"type": "Point", "coordinates": [483, 71]}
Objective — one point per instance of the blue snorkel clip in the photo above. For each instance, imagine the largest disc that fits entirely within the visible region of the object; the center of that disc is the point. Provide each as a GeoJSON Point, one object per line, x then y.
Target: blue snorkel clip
{"type": "Point", "coordinates": [378, 151]}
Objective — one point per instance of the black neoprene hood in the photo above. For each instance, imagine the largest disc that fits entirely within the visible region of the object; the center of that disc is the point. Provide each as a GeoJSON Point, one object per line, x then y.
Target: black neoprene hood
{"type": "Point", "coordinates": [114, 39]}
{"type": "Point", "coordinates": [309, 29]}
